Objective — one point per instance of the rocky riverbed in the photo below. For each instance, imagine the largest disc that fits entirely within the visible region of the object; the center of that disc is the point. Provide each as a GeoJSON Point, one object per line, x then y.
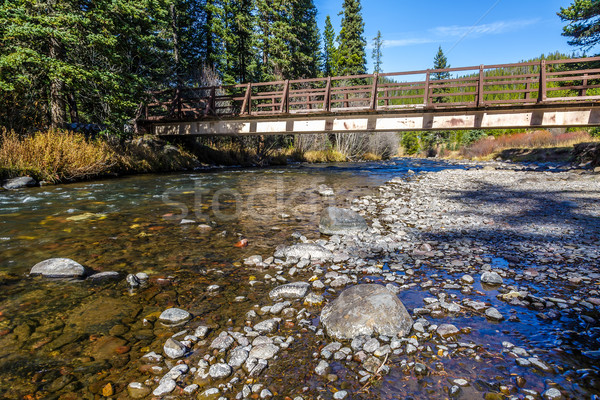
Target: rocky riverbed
{"type": "Point", "coordinates": [496, 266]}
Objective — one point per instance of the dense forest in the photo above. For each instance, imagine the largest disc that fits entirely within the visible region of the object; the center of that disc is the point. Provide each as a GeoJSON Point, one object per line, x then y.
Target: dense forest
{"type": "Point", "coordinates": [72, 61]}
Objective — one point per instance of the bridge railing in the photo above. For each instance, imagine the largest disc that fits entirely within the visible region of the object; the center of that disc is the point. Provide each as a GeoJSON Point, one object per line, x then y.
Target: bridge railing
{"type": "Point", "coordinates": [567, 81]}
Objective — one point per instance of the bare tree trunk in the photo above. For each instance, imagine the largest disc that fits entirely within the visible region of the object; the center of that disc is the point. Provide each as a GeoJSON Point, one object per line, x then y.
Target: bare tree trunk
{"type": "Point", "coordinates": [58, 114]}
{"type": "Point", "coordinates": [73, 108]}
{"type": "Point", "coordinates": [175, 34]}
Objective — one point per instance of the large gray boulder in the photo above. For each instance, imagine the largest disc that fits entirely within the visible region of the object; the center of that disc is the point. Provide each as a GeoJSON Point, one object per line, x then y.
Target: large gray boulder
{"type": "Point", "coordinates": [305, 250]}
{"type": "Point", "coordinates": [58, 268]}
{"type": "Point", "coordinates": [341, 221]}
{"type": "Point", "coordinates": [20, 182]}
{"type": "Point", "coordinates": [366, 309]}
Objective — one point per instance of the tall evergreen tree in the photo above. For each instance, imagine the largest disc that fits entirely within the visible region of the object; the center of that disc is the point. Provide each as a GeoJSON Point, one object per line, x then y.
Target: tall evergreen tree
{"type": "Point", "coordinates": [305, 45]}
{"type": "Point", "coordinates": [440, 61]}
{"type": "Point", "coordinates": [93, 59]}
{"type": "Point", "coordinates": [351, 57]}
{"type": "Point", "coordinates": [329, 49]}
{"type": "Point", "coordinates": [240, 41]}
{"type": "Point", "coordinates": [377, 53]}
{"type": "Point", "coordinates": [583, 28]}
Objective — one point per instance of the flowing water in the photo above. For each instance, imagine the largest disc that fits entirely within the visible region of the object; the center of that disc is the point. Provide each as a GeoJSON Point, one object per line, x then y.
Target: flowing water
{"type": "Point", "coordinates": [67, 339]}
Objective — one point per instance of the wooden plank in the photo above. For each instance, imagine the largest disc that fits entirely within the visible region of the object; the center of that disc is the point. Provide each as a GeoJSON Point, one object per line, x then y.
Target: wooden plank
{"type": "Point", "coordinates": [247, 100]}
{"type": "Point", "coordinates": [285, 98]}
{"type": "Point", "coordinates": [374, 92]}
{"type": "Point", "coordinates": [542, 94]}
{"type": "Point", "coordinates": [426, 92]}
{"type": "Point", "coordinates": [327, 102]}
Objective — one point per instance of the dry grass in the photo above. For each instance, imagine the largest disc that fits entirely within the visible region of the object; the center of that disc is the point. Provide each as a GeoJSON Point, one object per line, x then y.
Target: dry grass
{"type": "Point", "coordinates": [322, 156]}
{"type": "Point", "coordinates": [64, 156]}
{"type": "Point", "coordinates": [54, 156]}
{"type": "Point", "coordinates": [489, 147]}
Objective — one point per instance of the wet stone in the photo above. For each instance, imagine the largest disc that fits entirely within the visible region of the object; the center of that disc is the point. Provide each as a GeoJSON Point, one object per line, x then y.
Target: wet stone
{"type": "Point", "coordinates": [493, 314]}
{"type": "Point", "coordinates": [371, 345]}
{"type": "Point", "coordinates": [341, 221]}
{"type": "Point", "coordinates": [268, 326]}
{"type": "Point", "coordinates": [222, 342]}
{"type": "Point", "coordinates": [137, 390]}
{"type": "Point", "coordinates": [174, 316]}
{"type": "Point", "coordinates": [173, 348]}
{"type": "Point", "coordinates": [58, 268]}
{"type": "Point", "coordinates": [264, 351]}
{"type": "Point", "coordinates": [491, 278]}
{"type": "Point", "coordinates": [237, 357]}
{"type": "Point", "coordinates": [366, 309]}
{"type": "Point", "coordinates": [219, 371]}
{"type": "Point", "coordinates": [104, 276]}
{"type": "Point", "coordinates": [552, 394]}
{"type": "Point", "coordinates": [165, 386]}
{"type": "Point", "coordinates": [447, 330]}
{"type": "Point", "coordinates": [295, 290]}
{"type": "Point", "coordinates": [322, 368]}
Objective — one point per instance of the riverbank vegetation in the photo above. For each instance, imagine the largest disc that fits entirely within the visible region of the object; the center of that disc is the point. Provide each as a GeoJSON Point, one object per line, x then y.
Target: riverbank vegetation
{"type": "Point", "coordinates": [55, 156]}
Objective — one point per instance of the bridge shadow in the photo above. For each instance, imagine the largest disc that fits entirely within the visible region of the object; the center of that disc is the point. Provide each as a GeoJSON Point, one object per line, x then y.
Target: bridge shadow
{"type": "Point", "coordinates": [531, 216]}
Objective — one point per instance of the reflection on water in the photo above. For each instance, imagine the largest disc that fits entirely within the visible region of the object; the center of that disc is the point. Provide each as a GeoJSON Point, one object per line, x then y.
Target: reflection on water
{"type": "Point", "coordinates": [70, 338]}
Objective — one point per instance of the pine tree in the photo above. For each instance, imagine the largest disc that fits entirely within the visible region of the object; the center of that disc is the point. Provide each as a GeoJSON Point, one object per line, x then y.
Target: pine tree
{"type": "Point", "coordinates": [240, 39]}
{"type": "Point", "coordinates": [351, 57]}
{"type": "Point", "coordinates": [583, 23]}
{"type": "Point", "coordinates": [96, 61]}
{"type": "Point", "coordinates": [440, 62]}
{"type": "Point", "coordinates": [304, 46]}
{"type": "Point", "coordinates": [377, 53]}
{"type": "Point", "coordinates": [329, 49]}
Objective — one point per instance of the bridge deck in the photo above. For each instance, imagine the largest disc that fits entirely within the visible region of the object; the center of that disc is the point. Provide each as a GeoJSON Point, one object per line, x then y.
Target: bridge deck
{"type": "Point", "coordinates": [534, 94]}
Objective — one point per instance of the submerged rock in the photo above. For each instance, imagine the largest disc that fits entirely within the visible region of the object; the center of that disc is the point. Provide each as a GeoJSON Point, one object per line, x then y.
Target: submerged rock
{"type": "Point", "coordinates": [366, 309]}
{"type": "Point", "coordinates": [104, 276]}
{"type": "Point", "coordinates": [341, 221]}
{"type": "Point", "coordinates": [58, 268]}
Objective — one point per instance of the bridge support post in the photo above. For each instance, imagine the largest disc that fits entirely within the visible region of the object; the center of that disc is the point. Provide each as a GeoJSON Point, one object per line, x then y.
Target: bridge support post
{"type": "Point", "coordinates": [374, 92]}
{"type": "Point", "coordinates": [285, 107]}
{"type": "Point", "coordinates": [327, 100]}
{"type": "Point", "coordinates": [480, 87]}
{"type": "Point", "coordinates": [426, 90]}
{"type": "Point", "coordinates": [543, 88]}
{"type": "Point", "coordinates": [246, 106]}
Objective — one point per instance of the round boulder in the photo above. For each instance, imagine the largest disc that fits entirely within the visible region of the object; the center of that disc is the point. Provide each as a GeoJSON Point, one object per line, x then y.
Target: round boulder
{"type": "Point", "coordinates": [366, 309]}
{"type": "Point", "coordinates": [341, 221]}
{"type": "Point", "coordinates": [58, 268]}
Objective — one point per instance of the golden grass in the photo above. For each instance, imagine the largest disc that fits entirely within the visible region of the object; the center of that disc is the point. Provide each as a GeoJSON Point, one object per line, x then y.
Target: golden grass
{"type": "Point", "coordinates": [64, 156]}
{"type": "Point", "coordinates": [54, 156]}
{"type": "Point", "coordinates": [371, 157]}
{"type": "Point", "coordinates": [323, 156]}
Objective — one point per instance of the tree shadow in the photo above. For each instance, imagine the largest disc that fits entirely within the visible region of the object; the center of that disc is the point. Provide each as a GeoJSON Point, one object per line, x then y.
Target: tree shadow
{"type": "Point", "coordinates": [554, 216]}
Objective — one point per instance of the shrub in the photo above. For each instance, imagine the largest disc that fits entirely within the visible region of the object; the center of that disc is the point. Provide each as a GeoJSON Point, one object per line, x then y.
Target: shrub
{"type": "Point", "coordinates": [410, 143]}
{"type": "Point", "coordinates": [54, 156]}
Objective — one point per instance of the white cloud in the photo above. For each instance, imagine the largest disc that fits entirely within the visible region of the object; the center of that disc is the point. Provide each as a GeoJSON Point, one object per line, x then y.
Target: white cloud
{"type": "Point", "coordinates": [446, 33]}
{"type": "Point", "coordinates": [484, 29]}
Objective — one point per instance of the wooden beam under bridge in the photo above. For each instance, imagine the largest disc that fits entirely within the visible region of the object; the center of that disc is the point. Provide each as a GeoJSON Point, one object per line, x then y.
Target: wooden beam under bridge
{"type": "Point", "coordinates": [552, 116]}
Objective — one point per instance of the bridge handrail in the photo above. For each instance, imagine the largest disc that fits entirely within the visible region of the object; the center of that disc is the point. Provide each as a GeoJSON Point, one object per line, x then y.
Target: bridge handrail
{"type": "Point", "coordinates": [479, 86]}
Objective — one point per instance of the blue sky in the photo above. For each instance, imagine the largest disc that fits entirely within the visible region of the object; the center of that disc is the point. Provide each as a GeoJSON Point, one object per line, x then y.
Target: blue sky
{"type": "Point", "coordinates": [471, 32]}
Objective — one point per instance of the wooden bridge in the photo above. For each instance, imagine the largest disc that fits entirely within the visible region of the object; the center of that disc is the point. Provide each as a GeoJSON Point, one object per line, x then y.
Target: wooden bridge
{"type": "Point", "coordinates": [545, 94]}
